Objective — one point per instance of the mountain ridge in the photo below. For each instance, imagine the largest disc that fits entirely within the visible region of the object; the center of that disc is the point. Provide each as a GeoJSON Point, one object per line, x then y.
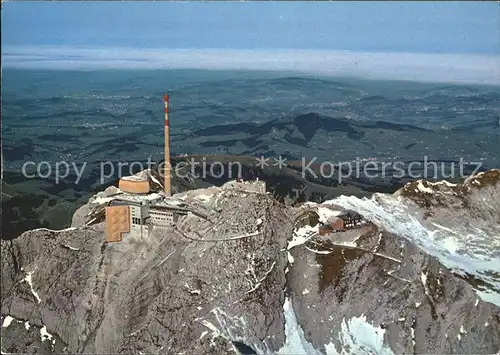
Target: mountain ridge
{"type": "Point", "coordinates": [268, 283]}
{"type": "Point", "coordinates": [307, 125]}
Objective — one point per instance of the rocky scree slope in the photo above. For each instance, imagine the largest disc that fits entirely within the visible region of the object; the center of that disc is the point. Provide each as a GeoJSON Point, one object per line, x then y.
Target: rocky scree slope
{"type": "Point", "coordinates": [252, 272]}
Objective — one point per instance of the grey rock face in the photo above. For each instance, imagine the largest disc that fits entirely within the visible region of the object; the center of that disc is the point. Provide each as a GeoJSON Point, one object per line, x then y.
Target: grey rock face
{"type": "Point", "coordinates": [244, 273]}
{"type": "Point", "coordinates": [169, 293]}
{"type": "Point", "coordinates": [473, 206]}
{"type": "Point", "coordinates": [419, 306]}
{"type": "Point", "coordinates": [94, 210]}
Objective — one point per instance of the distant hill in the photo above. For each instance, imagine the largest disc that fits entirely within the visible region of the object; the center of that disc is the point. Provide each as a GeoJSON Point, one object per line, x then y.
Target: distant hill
{"type": "Point", "coordinates": [310, 135]}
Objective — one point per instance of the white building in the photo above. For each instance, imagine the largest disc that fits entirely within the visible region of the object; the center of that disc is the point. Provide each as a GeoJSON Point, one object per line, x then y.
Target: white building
{"type": "Point", "coordinates": [164, 214]}
{"type": "Point", "coordinates": [132, 215]}
{"type": "Point", "coordinates": [257, 186]}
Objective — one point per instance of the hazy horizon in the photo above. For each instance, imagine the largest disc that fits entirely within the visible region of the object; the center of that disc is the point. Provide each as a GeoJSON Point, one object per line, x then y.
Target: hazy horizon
{"type": "Point", "coordinates": [427, 42]}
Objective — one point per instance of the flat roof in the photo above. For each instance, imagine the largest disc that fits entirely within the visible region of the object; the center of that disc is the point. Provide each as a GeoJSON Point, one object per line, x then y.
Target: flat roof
{"type": "Point", "coordinates": [134, 178]}
{"type": "Point", "coordinates": [173, 201]}
{"type": "Point", "coordinates": [166, 205]}
{"type": "Point", "coordinates": [138, 197]}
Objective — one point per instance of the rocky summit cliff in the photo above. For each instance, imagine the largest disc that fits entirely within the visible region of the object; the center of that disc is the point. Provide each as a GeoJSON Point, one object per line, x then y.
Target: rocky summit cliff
{"type": "Point", "coordinates": [246, 274]}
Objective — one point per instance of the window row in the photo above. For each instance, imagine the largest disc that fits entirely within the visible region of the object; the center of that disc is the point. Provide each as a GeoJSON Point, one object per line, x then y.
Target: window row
{"type": "Point", "coordinates": [162, 213]}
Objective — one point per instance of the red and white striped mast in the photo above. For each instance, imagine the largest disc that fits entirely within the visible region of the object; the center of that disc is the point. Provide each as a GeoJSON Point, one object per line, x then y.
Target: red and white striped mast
{"type": "Point", "coordinates": [167, 167]}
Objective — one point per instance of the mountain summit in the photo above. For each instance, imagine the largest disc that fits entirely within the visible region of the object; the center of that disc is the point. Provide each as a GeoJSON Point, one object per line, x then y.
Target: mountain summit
{"type": "Point", "coordinates": [418, 274]}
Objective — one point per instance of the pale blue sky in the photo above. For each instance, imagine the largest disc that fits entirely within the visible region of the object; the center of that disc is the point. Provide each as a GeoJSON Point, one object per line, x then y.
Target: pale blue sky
{"type": "Point", "coordinates": [425, 27]}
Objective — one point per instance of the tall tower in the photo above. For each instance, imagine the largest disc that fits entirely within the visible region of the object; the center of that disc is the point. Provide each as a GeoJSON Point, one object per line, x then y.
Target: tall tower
{"type": "Point", "coordinates": [167, 167]}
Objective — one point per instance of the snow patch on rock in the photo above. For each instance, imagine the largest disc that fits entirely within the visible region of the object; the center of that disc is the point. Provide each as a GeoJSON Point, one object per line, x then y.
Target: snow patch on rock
{"type": "Point", "coordinates": [325, 213]}
{"type": "Point", "coordinates": [422, 188]}
{"type": "Point", "coordinates": [45, 335]}
{"type": "Point", "coordinates": [301, 235]}
{"type": "Point", "coordinates": [359, 337]}
{"type": "Point", "coordinates": [295, 341]}
{"type": "Point", "coordinates": [28, 279]}
{"type": "Point", "coordinates": [7, 322]}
